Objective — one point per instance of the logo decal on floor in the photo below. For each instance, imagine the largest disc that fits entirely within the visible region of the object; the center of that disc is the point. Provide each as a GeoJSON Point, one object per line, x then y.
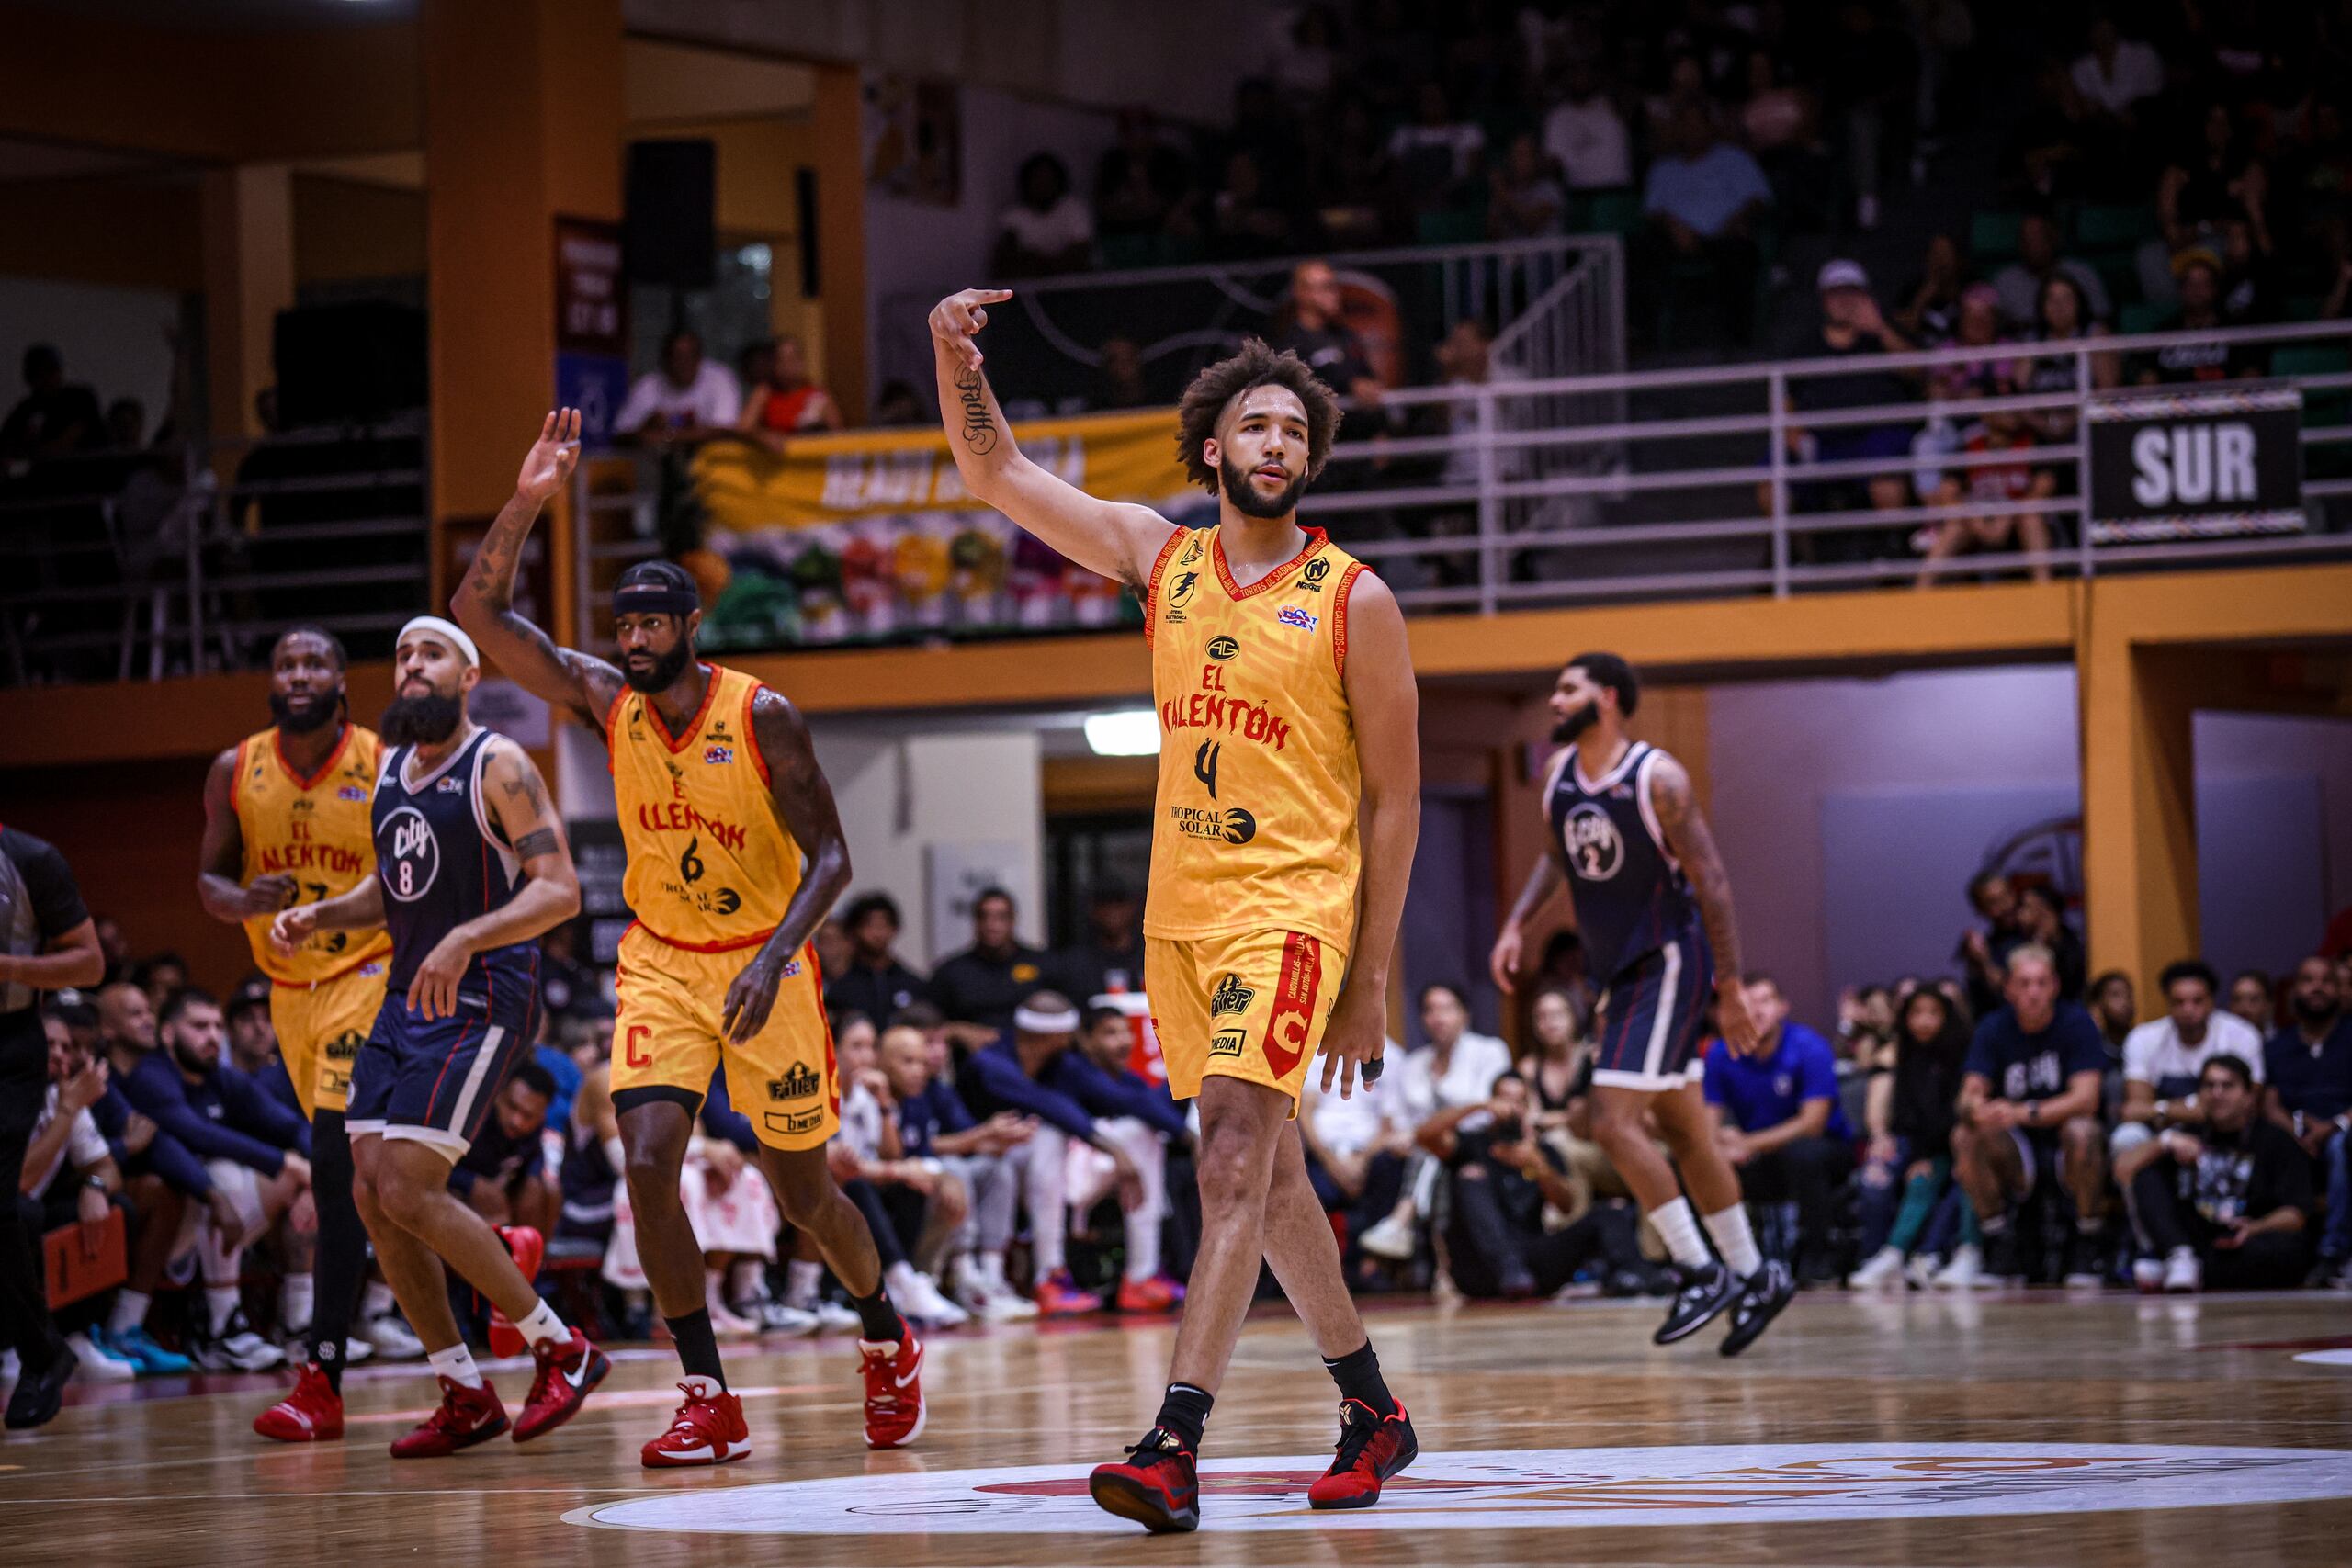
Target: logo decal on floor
{"type": "Point", "coordinates": [1547, 1488]}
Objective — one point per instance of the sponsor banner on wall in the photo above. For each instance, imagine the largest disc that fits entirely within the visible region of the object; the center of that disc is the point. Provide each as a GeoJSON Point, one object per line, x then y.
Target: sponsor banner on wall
{"type": "Point", "coordinates": [2196, 465]}
{"type": "Point", "coordinates": [840, 479]}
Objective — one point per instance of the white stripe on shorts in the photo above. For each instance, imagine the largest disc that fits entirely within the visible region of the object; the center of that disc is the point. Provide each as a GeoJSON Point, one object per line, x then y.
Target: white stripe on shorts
{"type": "Point", "coordinates": [482, 1056]}
{"type": "Point", "coordinates": [1662, 1026]}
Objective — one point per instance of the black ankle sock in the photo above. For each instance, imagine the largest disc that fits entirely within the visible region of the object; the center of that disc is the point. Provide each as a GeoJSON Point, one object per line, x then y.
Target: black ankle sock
{"type": "Point", "coordinates": [697, 1345]}
{"type": "Point", "coordinates": [1185, 1411]}
{"type": "Point", "coordinates": [342, 1256]}
{"type": "Point", "coordinates": [1358, 1375]}
{"type": "Point", "coordinates": [878, 1322]}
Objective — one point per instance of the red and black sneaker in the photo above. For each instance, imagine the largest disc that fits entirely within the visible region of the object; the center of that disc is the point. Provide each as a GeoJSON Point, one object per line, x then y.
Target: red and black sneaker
{"type": "Point", "coordinates": [1371, 1448]}
{"type": "Point", "coordinates": [569, 1369]}
{"type": "Point", "coordinates": [1157, 1486]}
{"type": "Point", "coordinates": [895, 1413]}
{"type": "Point", "coordinates": [467, 1417]}
{"type": "Point", "coordinates": [528, 1248]}
{"type": "Point", "coordinates": [707, 1429]}
{"type": "Point", "coordinates": [311, 1413]}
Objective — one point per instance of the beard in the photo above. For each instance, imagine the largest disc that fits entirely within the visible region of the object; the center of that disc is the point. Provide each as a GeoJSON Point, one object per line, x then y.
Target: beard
{"type": "Point", "coordinates": [192, 1062]}
{"type": "Point", "coordinates": [1234, 480]}
{"type": "Point", "coordinates": [2314, 1012]}
{"type": "Point", "coordinates": [664, 673]}
{"type": "Point", "coordinates": [316, 714]}
{"type": "Point", "coordinates": [1565, 732]}
{"type": "Point", "coordinates": [426, 720]}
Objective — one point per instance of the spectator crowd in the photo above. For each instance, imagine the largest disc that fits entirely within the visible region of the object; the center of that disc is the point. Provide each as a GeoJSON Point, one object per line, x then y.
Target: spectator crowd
{"type": "Point", "coordinates": [1010, 1137]}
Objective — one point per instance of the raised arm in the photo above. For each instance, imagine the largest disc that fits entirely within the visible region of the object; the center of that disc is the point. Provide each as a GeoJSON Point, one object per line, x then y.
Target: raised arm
{"type": "Point", "coordinates": [804, 803]}
{"type": "Point", "coordinates": [519, 807]}
{"type": "Point", "coordinates": [1386, 704]}
{"type": "Point", "coordinates": [221, 860]}
{"type": "Point", "coordinates": [580, 683]}
{"type": "Point", "coordinates": [1693, 844]}
{"type": "Point", "coordinates": [1110, 538]}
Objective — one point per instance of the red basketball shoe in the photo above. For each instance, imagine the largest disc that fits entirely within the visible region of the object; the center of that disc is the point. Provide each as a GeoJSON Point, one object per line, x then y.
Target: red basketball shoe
{"type": "Point", "coordinates": [467, 1417]}
{"type": "Point", "coordinates": [707, 1429]}
{"type": "Point", "coordinates": [1156, 1487]}
{"type": "Point", "coordinates": [1059, 1296]}
{"type": "Point", "coordinates": [1371, 1448]}
{"type": "Point", "coordinates": [527, 1246]}
{"type": "Point", "coordinates": [894, 1407]}
{"type": "Point", "coordinates": [569, 1369]}
{"type": "Point", "coordinates": [311, 1413]}
{"type": "Point", "coordinates": [1158, 1293]}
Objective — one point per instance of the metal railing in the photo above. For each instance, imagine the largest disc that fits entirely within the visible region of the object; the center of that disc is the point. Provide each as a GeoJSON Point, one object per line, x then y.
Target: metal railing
{"type": "Point", "coordinates": [1728, 480]}
{"type": "Point", "coordinates": [123, 565]}
{"type": "Point", "coordinates": [1557, 304]}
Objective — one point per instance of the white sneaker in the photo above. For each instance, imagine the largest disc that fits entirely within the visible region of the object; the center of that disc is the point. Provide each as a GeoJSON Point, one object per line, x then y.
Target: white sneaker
{"type": "Point", "coordinates": [834, 1318]}
{"type": "Point", "coordinates": [391, 1338]}
{"type": "Point", "coordinates": [774, 1317]}
{"type": "Point", "coordinates": [99, 1365]}
{"type": "Point", "coordinates": [355, 1351]}
{"type": "Point", "coordinates": [1965, 1272]}
{"type": "Point", "coordinates": [2184, 1273]}
{"type": "Point", "coordinates": [725, 1323]}
{"type": "Point", "coordinates": [2148, 1273]}
{"type": "Point", "coordinates": [237, 1349]}
{"type": "Point", "coordinates": [1881, 1268]}
{"type": "Point", "coordinates": [1392, 1238]}
{"type": "Point", "coordinates": [992, 1302]}
{"type": "Point", "coordinates": [1920, 1272]}
{"type": "Point", "coordinates": [924, 1302]}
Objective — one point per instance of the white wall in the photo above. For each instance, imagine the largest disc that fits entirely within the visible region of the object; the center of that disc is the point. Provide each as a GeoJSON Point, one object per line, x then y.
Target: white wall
{"type": "Point", "coordinates": [1778, 751]}
{"type": "Point", "coordinates": [900, 793]}
{"type": "Point", "coordinates": [113, 339]}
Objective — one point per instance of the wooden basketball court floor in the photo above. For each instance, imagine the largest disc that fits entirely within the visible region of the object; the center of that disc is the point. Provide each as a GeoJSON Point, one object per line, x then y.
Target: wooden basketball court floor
{"type": "Point", "coordinates": [2028, 1429]}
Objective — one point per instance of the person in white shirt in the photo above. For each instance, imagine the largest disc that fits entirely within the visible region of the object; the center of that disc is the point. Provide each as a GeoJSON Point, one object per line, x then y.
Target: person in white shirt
{"type": "Point", "coordinates": [1454, 1072]}
{"type": "Point", "coordinates": [2163, 1059]}
{"type": "Point", "coordinates": [1049, 230]}
{"type": "Point", "coordinates": [1586, 135]}
{"type": "Point", "coordinates": [2116, 72]}
{"type": "Point", "coordinates": [688, 399]}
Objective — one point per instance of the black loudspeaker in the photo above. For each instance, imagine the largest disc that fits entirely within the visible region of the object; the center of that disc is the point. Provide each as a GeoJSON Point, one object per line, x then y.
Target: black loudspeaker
{"type": "Point", "coordinates": [670, 227]}
{"type": "Point", "coordinates": [350, 363]}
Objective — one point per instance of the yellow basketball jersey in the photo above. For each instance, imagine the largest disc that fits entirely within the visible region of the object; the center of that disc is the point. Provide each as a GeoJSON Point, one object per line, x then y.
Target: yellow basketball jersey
{"type": "Point", "coordinates": [710, 866]}
{"type": "Point", "coordinates": [1255, 824]}
{"type": "Point", "coordinates": [316, 831]}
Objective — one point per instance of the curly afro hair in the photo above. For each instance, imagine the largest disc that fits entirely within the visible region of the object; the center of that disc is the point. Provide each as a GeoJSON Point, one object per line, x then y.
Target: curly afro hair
{"type": "Point", "coordinates": [1215, 387]}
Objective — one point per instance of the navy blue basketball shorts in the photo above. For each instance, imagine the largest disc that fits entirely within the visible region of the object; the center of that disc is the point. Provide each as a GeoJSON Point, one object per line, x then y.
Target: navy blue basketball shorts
{"type": "Point", "coordinates": [1654, 1019]}
{"type": "Point", "coordinates": [434, 1080]}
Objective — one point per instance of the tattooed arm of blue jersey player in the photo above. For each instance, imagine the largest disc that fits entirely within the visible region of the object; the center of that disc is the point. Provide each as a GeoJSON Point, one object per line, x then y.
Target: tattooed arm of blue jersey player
{"type": "Point", "coordinates": [580, 683]}
{"type": "Point", "coordinates": [517, 801]}
{"type": "Point", "coordinates": [804, 803]}
{"type": "Point", "coordinates": [1693, 844]}
{"type": "Point", "coordinates": [1543, 881]}
{"type": "Point", "coordinates": [1113, 539]}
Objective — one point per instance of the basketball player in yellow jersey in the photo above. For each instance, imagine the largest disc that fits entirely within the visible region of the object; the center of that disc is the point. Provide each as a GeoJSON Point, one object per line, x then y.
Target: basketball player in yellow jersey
{"type": "Point", "coordinates": [285, 821]}
{"type": "Point", "coordinates": [1288, 805]}
{"type": "Point", "coordinates": [721, 801]}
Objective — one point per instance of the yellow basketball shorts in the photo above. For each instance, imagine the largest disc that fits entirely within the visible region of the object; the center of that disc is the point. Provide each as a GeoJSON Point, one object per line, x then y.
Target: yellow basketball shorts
{"type": "Point", "coordinates": [668, 1035]}
{"type": "Point", "coordinates": [321, 1028]}
{"type": "Point", "coordinates": [1250, 1006]}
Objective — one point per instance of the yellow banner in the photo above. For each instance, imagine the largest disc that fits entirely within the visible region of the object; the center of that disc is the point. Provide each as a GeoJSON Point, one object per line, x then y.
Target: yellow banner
{"type": "Point", "coordinates": [836, 478]}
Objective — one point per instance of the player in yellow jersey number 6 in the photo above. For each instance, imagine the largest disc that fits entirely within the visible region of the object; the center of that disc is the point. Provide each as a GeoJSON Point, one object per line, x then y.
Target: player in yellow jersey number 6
{"type": "Point", "coordinates": [1288, 805]}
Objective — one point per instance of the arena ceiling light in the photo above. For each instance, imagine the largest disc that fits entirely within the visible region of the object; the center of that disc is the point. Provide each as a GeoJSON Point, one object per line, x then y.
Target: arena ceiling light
{"type": "Point", "coordinates": [1130, 732]}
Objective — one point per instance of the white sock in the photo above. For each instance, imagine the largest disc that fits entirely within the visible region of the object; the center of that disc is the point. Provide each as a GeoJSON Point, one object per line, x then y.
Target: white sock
{"type": "Point", "coordinates": [543, 1326]}
{"type": "Point", "coordinates": [456, 1364]}
{"type": "Point", "coordinates": [378, 1300]}
{"type": "Point", "coordinates": [296, 1299]}
{"type": "Point", "coordinates": [129, 1311]}
{"type": "Point", "coordinates": [992, 1268]}
{"type": "Point", "coordinates": [1679, 1228]}
{"type": "Point", "coordinates": [221, 1300]}
{"type": "Point", "coordinates": [745, 1279]}
{"type": "Point", "coordinates": [801, 1280]}
{"type": "Point", "coordinates": [900, 1278]}
{"type": "Point", "coordinates": [1735, 1240]}
{"type": "Point", "coordinates": [1143, 1245]}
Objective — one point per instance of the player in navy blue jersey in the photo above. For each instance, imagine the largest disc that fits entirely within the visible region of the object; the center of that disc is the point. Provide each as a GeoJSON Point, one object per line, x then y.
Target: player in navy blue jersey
{"type": "Point", "coordinates": [471, 866]}
{"type": "Point", "coordinates": [1653, 907]}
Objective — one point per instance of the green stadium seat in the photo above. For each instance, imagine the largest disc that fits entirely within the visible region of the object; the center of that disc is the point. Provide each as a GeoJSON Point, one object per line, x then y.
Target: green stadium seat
{"type": "Point", "coordinates": [1606, 212]}
{"type": "Point", "coordinates": [2141, 317]}
{"type": "Point", "coordinates": [2304, 307]}
{"type": "Point", "coordinates": [1447, 226]}
{"type": "Point", "coordinates": [2104, 227]}
{"type": "Point", "coordinates": [1993, 236]}
{"type": "Point", "coordinates": [1130, 250]}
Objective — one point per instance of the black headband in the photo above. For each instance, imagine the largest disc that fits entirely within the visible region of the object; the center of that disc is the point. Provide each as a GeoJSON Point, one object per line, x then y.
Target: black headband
{"type": "Point", "coordinates": [655, 599]}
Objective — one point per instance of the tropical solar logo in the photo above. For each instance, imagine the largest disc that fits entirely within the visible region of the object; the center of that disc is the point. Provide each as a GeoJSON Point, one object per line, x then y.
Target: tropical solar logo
{"type": "Point", "coordinates": [1546, 1488]}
